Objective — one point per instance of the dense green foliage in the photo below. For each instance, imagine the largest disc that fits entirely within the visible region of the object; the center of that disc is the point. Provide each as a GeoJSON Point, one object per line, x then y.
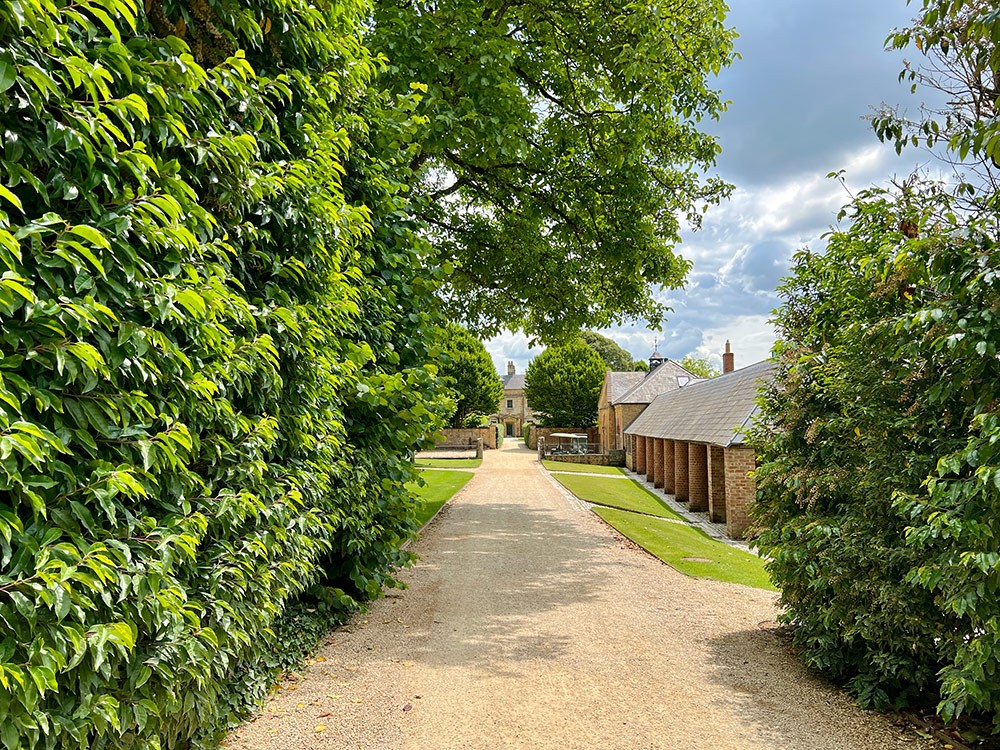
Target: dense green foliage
{"type": "Point", "coordinates": [700, 367]}
{"type": "Point", "coordinates": [212, 344]}
{"type": "Point", "coordinates": [561, 149]}
{"type": "Point", "coordinates": [615, 358]}
{"type": "Point", "coordinates": [467, 369]}
{"type": "Point", "coordinates": [879, 477]}
{"type": "Point", "coordinates": [563, 385]}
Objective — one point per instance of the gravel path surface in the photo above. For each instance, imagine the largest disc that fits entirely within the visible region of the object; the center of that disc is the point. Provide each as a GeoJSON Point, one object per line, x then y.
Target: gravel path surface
{"type": "Point", "coordinates": [529, 623]}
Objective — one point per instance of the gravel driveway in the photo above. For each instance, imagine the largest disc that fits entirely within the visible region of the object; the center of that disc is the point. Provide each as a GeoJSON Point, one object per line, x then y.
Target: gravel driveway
{"type": "Point", "coordinates": [528, 623]}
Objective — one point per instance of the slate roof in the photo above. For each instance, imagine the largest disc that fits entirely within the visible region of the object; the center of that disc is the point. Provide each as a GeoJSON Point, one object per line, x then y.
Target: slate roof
{"type": "Point", "coordinates": [513, 382]}
{"type": "Point", "coordinates": [709, 411]}
{"type": "Point", "coordinates": [660, 380]}
{"type": "Point", "coordinates": [620, 383]}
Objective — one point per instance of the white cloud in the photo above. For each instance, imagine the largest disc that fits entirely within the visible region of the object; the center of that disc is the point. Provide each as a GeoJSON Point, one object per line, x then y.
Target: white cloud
{"type": "Point", "coordinates": [751, 337]}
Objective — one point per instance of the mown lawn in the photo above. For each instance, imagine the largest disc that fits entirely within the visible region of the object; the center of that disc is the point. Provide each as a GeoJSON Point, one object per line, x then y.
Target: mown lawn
{"type": "Point", "coordinates": [689, 550]}
{"type": "Point", "coordinates": [615, 493]}
{"type": "Point", "coordinates": [438, 488]}
{"type": "Point", "coordinates": [582, 468]}
{"type": "Point", "coordinates": [667, 536]}
{"type": "Point", "coordinates": [449, 463]}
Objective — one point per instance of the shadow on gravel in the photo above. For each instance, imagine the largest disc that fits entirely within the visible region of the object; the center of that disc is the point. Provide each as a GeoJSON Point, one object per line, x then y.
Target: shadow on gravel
{"type": "Point", "coordinates": [789, 705]}
{"type": "Point", "coordinates": [492, 560]}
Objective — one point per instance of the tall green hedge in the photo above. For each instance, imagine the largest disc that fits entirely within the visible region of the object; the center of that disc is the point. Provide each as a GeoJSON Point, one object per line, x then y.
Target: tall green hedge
{"type": "Point", "coordinates": [879, 475]}
{"type": "Point", "coordinates": [212, 348]}
{"type": "Point", "coordinates": [879, 446]}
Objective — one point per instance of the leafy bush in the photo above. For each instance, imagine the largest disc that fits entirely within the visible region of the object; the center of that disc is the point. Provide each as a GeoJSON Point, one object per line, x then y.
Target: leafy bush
{"type": "Point", "coordinates": [563, 384]}
{"type": "Point", "coordinates": [880, 478]}
{"type": "Point", "coordinates": [467, 368]}
{"type": "Point", "coordinates": [212, 345]}
{"type": "Point", "coordinates": [473, 421]}
{"type": "Point", "coordinates": [878, 468]}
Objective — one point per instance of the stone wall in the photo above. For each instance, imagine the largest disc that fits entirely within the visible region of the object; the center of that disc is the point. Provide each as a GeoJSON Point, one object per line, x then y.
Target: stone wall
{"type": "Point", "coordinates": [466, 437]}
{"type": "Point", "coordinates": [625, 415]}
{"type": "Point", "coordinates": [613, 458]}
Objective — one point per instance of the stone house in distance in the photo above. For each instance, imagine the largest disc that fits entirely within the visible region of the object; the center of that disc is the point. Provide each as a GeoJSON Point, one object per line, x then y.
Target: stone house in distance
{"type": "Point", "coordinates": [689, 443]}
{"type": "Point", "coordinates": [514, 410]}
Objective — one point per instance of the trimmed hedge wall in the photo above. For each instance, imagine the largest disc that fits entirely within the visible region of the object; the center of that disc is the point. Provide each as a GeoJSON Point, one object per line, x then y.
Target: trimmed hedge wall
{"type": "Point", "coordinates": [212, 356]}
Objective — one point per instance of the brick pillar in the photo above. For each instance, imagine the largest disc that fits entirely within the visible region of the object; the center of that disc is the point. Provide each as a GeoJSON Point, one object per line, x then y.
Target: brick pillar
{"type": "Point", "coordinates": [669, 481]}
{"type": "Point", "coordinates": [650, 458]}
{"type": "Point", "coordinates": [658, 462]}
{"type": "Point", "coordinates": [640, 454]}
{"type": "Point", "coordinates": [697, 477]}
{"type": "Point", "coordinates": [740, 489]}
{"type": "Point", "coordinates": [630, 452]}
{"type": "Point", "coordinates": [681, 470]}
{"type": "Point", "coordinates": [716, 484]}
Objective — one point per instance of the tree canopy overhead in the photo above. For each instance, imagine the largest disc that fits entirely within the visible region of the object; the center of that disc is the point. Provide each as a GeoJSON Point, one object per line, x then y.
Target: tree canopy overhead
{"type": "Point", "coordinates": [561, 150]}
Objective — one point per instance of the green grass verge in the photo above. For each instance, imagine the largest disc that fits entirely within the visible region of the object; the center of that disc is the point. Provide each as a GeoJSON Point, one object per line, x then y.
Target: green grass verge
{"type": "Point", "coordinates": [615, 493]}
{"type": "Point", "coordinates": [449, 463]}
{"type": "Point", "coordinates": [673, 543]}
{"type": "Point", "coordinates": [439, 487]}
{"type": "Point", "coordinates": [581, 468]}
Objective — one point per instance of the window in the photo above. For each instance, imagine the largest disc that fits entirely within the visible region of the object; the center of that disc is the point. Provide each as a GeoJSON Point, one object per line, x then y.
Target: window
{"type": "Point", "coordinates": [510, 403]}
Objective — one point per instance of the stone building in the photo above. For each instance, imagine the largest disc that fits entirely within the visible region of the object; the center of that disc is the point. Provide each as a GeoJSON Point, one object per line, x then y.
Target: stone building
{"type": "Point", "coordinates": [624, 396]}
{"type": "Point", "coordinates": [689, 442]}
{"type": "Point", "coordinates": [514, 410]}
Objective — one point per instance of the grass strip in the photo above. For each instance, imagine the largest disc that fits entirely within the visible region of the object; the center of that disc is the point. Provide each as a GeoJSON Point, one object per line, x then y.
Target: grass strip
{"type": "Point", "coordinates": [689, 550]}
{"type": "Point", "coordinates": [438, 488]}
{"type": "Point", "coordinates": [449, 463]}
{"type": "Point", "coordinates": [582, 468]}
{"type": "Point", "coordinates": [615, 493]}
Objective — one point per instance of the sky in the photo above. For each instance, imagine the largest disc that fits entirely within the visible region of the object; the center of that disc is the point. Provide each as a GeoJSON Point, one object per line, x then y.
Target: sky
{"type": "Point", "coordinates": [809, 74]}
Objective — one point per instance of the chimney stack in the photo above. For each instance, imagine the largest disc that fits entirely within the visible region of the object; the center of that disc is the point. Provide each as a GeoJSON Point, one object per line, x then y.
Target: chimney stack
{"type": "Point", "coordinates": [510, 367]}
{"type": "Point", "coordinates": [728, 360]}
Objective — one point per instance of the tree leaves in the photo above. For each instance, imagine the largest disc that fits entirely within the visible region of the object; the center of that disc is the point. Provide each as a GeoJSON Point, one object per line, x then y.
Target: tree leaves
{"type": "Point", "coordinates": [563, 385]}
{"type": "Point", "coordinates": [214, 345]}
{"type": "Point", "coordinates": [557, 150]}
{"type": "Point", "coordinates": [468, 370]}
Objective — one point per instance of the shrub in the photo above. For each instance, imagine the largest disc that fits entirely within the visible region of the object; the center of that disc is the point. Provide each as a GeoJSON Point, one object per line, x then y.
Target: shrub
{"type": "Point", "coordinates": [878, 468]}
{"type": "Point", "coordinates": [563, 385]}
{"type": "Point", "coordinates": [212, 348]}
